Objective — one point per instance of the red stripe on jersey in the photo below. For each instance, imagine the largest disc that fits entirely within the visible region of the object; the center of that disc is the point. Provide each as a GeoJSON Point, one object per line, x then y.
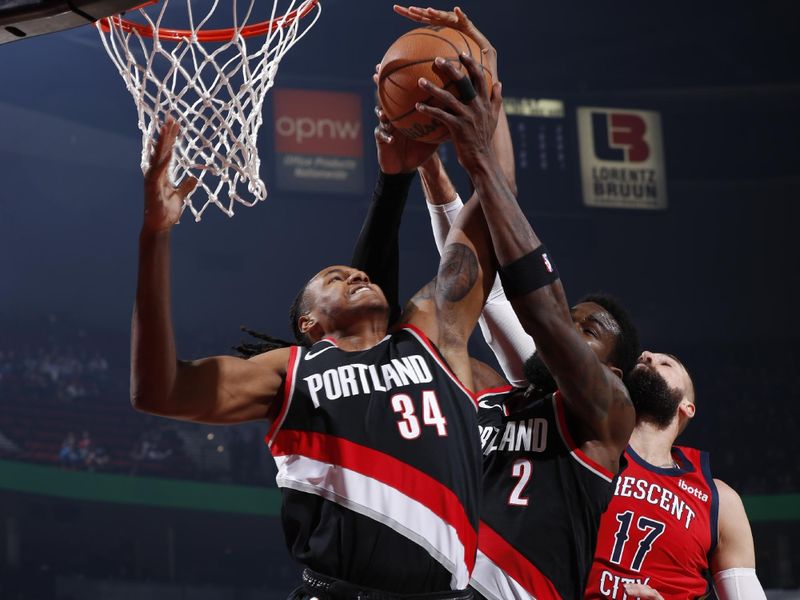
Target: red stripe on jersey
{"type": "Point", "coordinates": [420, 335]}
{"type": "Point", "coordinates": [288, 392]}
{"type": "Point", "coordinates": [415, 484]}
{"type": "Point", "coordinates": [514, 564]}
{"type": "Point", "coordinates": [579, 454]}
{"type": "Point", "coordinates": [493, 391]}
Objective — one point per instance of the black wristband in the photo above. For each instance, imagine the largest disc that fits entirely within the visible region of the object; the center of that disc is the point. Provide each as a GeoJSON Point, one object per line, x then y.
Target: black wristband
{"type": "Point", "coordinates": [529, 273]}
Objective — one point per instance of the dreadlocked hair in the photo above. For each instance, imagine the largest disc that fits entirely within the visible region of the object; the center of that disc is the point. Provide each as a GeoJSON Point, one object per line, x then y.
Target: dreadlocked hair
{"type": "Point", "coordinates": [267, 343]}
{"type": "Point", "coordinates": [626, 348]}
{"type": "Point", "coordinates": [298, 309]}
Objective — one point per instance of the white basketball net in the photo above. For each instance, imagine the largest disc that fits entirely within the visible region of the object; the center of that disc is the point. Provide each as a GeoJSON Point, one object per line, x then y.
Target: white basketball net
{"type": "Point", "coordinates": [214, 90]}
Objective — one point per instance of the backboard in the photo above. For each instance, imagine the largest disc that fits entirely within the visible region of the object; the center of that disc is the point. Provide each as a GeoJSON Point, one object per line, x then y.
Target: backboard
{"type": "Point", "coordinates": [21, 19]}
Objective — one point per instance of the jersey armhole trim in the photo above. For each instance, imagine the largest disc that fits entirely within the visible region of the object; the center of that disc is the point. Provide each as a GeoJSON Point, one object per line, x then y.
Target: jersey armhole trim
{"type": "Point", "coordinates": [434, 352]}
{"type": "Point", "coordinates": [495, 391]}
{"type": "Point", "coordinates": [288, 392]}
{"type": "Point", "coordinates": [705, 465]}
{"type": "Point", "coordinates": [576, 453]}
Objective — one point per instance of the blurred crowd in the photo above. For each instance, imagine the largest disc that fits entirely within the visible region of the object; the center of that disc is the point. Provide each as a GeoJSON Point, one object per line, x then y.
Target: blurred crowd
{"type": "Point", "coordinates": [67, 404]}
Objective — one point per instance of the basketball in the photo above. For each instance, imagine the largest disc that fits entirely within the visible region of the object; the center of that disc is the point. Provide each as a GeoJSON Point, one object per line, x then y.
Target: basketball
{"type": "Point", "coordinates": [410, 57]}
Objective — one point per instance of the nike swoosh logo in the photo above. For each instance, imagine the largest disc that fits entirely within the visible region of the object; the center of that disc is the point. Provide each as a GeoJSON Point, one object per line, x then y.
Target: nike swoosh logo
{"type": "Point", "coordinates": [311, 355]}
{"type": "Point", "coordinates": [486, 405]}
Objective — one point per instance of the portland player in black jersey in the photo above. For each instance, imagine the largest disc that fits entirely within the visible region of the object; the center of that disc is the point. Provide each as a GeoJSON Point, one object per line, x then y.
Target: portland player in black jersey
{"type": "Point", "coordinates": [543, 498]}
{"type": "Point", "coordinates": [375, 435]}
{"type": "Point", "coordinates": [550, 470]}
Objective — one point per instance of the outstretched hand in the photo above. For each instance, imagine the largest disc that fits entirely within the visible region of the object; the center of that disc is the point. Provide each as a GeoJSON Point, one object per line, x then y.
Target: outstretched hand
{"type": "Point", "coordinates": [457, 19]}
{"type": "Point", "coordinates": [397, 153]}
{"type": "Point", "coordinates": [163, 202]}
{"type": "Point", "coordinates": [472, 124]}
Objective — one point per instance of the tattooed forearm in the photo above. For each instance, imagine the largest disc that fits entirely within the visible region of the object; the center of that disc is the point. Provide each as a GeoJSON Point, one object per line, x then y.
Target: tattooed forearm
{"type": "Point", "coordinates": [458, 272]}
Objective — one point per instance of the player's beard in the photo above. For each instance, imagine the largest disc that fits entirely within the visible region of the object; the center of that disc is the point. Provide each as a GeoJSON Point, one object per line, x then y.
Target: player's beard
{"type": "Point", "coordinates": [539, 377]}
{"type": "Point", "coordinates": [655, 402]}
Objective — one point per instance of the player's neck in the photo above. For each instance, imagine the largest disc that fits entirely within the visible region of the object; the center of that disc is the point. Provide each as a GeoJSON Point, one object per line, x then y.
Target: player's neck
{"type": "Point", "coordinates": [654, 445]}
{"type": "Point", "coordinates": [363, 336]}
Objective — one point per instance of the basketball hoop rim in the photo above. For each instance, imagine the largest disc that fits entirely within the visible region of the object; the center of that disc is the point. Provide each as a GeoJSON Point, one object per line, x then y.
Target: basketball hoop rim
{"type": "Point", "coordinates": [209, 35]}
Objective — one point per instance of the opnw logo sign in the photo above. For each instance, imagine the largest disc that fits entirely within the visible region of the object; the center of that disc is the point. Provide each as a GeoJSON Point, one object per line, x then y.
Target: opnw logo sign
{"type": "Point", "coordinates": [620, 137]}
{"type": "Point", "coordinates": [318, 123]}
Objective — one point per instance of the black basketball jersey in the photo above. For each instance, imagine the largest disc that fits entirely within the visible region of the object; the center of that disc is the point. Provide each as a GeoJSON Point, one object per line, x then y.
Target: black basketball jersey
{"type": "Point", "coordinates": [379, 463]}
{"type": "Point", "coordinates": [542, 502]}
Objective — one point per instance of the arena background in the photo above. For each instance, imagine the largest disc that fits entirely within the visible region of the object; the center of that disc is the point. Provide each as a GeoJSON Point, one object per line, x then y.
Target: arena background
{"type": "Point", "coordinates": [171, 510]}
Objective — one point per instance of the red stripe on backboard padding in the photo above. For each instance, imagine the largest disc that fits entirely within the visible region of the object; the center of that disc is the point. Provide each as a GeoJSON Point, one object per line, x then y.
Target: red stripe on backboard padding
{"type": "Point", "coordinates": [514, 564]}
{"type": "Point", "coordinates": [386, 469]}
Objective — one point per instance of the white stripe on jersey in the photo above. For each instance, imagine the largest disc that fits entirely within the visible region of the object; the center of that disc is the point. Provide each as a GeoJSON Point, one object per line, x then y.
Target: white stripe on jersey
{"type": "Point", "coordinates": [491, 581]}
{"type": "Point", "coordinates": [380, 502]}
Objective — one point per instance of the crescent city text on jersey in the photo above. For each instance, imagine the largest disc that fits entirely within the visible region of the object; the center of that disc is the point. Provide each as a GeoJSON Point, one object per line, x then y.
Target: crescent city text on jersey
{"type": "Point", "coordinates": [354, 379]}
{"type": "Point", "coordinates": [653, 493]}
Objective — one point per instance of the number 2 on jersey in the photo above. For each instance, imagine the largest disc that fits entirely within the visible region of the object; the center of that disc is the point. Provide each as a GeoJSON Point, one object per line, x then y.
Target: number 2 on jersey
{"type": "Point", "coordinates": [522, 468]}
{"type": "Point", "coordinates": [652, 529]}
{"type": "Point", "coordinates": [409, 425]}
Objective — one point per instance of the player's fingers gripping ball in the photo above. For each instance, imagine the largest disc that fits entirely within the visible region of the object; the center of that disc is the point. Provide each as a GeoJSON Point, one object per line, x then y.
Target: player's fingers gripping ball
{"type": "Point", "coordinates": [411, 57]}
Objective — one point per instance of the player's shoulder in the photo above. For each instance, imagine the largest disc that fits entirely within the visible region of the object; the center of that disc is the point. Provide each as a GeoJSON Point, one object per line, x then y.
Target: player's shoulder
{"type": "Point", "coordinates": [728, 497]}
{"type": "Point", "coordinates": [277, 359]}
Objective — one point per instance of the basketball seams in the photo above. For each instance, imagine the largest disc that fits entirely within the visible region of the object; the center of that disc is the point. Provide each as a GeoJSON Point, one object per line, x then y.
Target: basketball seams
{"type": "Point", "coordinates": [438, 37]}
{"type": "Point", "coordinates": [467, 43]}
{"type": "Point", "coordinates": [381, 77]}
{"type": "Point", "coordinates": [424, 101]}
{"type": "Point", "coordinates": [412, 64]}
{"type": "Point", "coordinates": [412, 56]}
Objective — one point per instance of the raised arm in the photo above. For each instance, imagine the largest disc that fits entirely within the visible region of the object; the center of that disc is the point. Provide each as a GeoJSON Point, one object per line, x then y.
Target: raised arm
{"type": "Point", "coordinates": [449, 306]}
{"type": "Point", "coordinates": [499, 325]}
{"type": "Point", "coordinates": [377, 250]}
{"type": "Point", "coordinates": [219, 389]}
{"type": "Point", "coordinates": [593, 394]}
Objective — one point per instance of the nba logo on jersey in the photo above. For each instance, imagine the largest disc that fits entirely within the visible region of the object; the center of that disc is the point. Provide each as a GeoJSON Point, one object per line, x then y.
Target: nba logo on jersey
{"type": "Point", "coordinates": [622, 159]}
{"type": "Point", "coordinates": [547, 264]}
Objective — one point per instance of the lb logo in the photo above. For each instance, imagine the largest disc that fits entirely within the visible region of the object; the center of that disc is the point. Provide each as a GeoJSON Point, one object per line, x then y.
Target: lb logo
{"type": "Point", "coordinates": [619, 136]}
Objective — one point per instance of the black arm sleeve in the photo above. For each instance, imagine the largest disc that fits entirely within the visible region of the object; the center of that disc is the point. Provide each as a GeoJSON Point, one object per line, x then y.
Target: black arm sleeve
{"type": "Point", "coordinates": [377, 250]}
